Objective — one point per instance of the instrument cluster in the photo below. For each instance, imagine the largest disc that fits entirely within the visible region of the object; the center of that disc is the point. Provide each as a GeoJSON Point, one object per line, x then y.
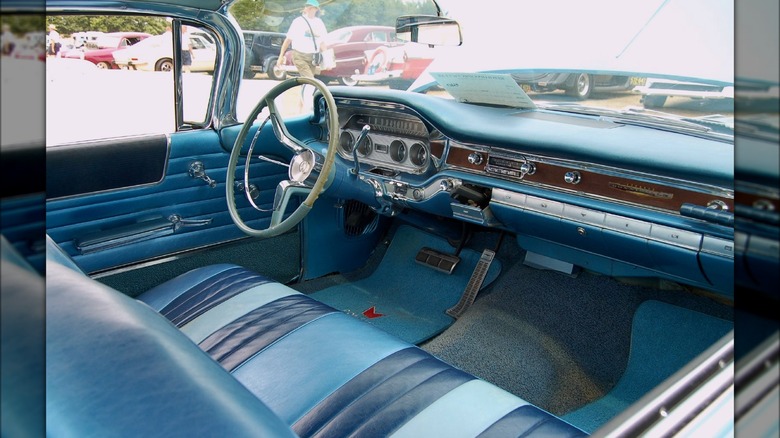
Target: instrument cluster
{"type": "Point", "coordinates": [395, 143]}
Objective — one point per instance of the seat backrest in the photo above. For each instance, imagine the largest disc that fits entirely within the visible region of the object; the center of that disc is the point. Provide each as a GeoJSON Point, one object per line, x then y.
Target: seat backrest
{"type": "Point", "coordinates": [113, 363]}
{"type": "Point", "coordinates": [23, 336]}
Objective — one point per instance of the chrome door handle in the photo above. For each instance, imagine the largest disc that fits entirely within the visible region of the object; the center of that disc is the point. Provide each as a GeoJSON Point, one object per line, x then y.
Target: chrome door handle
{"type": "Point", "coordinates": [178, 222]}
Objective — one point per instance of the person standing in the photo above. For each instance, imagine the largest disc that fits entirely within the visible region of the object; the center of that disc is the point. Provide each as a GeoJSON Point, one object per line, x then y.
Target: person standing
{"type": "Point", "coordinates": [186, 50]}
{"type": "Point", "coordinates": [306, 34]}
{"type": "Point", "coordinates": [8, 40]}
{"type": "Point", "coordinates": [54, 44]}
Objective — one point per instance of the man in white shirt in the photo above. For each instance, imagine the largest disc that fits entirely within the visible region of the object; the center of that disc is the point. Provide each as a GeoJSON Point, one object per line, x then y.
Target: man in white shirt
{"type": "Point", "coordinates": [306, 35]}
{"type": "Point", "coordinates": [54, 43]}
{"type": "Point", "coordinates": [8, 40]}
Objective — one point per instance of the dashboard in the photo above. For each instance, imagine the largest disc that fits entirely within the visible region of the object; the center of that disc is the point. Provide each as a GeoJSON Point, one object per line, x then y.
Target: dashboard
{"type": "Point", "coordinates": [616, 209]}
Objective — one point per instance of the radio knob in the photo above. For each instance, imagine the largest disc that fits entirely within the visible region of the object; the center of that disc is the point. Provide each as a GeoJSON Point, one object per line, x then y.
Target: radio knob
{"type": "Point", "coordinates": [572, 177]}
{"type": "Point", "coordinates": [475, 158]}
{"type": "Point", "coordinates": [527, 168]}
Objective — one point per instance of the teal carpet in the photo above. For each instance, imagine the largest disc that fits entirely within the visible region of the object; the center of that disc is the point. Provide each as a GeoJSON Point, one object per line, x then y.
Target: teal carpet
{"type": "Point", "coordinates": [663, 339]}
{"type": "Point", "coordinates": [404, 297]}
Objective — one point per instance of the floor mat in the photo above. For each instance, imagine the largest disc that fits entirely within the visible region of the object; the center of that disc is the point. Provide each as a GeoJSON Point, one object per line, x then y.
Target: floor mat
{"type": "Point", "coordinates": [663, 339]}
{"type": "Point", "coordinates": [404, 297]}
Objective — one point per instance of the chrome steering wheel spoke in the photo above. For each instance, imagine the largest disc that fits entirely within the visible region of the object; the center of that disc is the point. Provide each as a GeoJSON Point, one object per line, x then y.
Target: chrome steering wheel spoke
{"type": "Point", "coordinates": [280, 130]}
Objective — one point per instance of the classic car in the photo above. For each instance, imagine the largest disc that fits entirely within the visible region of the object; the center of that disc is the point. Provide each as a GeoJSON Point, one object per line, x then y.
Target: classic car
{"type": "Point", "coordinates": [398, 66]}
{"type": "Point", "coordinates": [262, 51]}
{"type": "Point", "coordinates": [100, 50]}
{"type": "Point", "coordinates": [462, 259]}
{"type": "Point", "coordinates": [580, 85]}
{"type": "Point", "coordinates": [351, 45]}
{"type": "Point", "coordinates": [656, 91]}
{"type": "Point", "coordinates": [29, 46]}
{"type": "Point", "coordinates": [156, 54]}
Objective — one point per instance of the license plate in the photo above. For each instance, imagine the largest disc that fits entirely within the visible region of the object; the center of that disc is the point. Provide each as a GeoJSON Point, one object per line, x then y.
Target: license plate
{"type": "Point", "coordinates": [638, 81]}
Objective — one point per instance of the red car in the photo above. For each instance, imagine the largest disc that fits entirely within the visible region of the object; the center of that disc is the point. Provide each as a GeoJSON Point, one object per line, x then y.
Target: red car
{"type": "Point", "coordinates": [99, 52]}
{"type": "Point", "coordinates": [349, 45]}
{"type": "Point", "coordinates": [396, 65]}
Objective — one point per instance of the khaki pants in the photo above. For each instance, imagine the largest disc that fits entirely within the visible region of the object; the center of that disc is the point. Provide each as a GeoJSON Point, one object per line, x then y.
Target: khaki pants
{"type": "Point", "coordinates": [304, 64]}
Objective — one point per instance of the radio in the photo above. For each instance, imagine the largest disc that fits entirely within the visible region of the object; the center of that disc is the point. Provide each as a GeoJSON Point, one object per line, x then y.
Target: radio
{"type": "Point", "coordinates": [509, 166]}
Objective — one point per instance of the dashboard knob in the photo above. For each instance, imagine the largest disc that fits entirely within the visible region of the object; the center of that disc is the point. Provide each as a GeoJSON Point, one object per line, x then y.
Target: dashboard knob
{"type": "Point", "coordinates": [475, 158]}
{"type": "Point", "coordinates": [527, 168]}
{"type": "Point", "coordinates": [446, 185]}
{"type": "Point", "coordinates": [572, 177]}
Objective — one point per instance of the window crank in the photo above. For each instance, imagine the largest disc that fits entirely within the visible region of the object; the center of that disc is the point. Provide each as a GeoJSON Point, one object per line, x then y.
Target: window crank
{"type": "Point", "coordinates": [198, 170]}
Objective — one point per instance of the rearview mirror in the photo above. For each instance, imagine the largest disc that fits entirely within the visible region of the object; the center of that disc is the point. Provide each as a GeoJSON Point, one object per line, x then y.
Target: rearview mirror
{"type": "Point", "coordinates": [428, 29]}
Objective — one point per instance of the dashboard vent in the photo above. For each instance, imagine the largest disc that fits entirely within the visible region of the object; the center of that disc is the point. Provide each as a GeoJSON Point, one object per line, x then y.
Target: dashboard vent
{"type": "Point", "coordinates": [359, 218]}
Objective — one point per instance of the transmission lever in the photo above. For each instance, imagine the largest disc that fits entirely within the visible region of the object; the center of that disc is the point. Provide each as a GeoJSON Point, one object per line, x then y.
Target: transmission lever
{"type": "Point", "coordinates": [361, 137]}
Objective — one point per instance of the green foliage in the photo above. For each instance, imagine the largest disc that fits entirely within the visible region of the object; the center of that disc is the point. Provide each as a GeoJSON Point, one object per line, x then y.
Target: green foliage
{"type": "Point", "coordinates": [69, 24]}
{"type": "Point", "coordinates": [21, 24]}
{"type": "Point", "coordinates": [260, 14]}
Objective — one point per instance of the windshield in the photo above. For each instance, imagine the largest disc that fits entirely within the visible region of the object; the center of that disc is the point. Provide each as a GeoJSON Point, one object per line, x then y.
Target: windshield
{"type": "Point", "coordinates": [668, 61]}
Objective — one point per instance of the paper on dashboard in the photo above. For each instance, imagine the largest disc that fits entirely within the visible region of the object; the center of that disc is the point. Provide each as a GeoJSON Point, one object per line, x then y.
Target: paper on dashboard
{"type": "Point", "coordinates": [491, 88]}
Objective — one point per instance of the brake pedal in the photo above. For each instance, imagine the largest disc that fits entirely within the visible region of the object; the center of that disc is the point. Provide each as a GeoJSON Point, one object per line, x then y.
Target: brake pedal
{"type": "Point", "coordinates": [474, 284]}
{"type": "Point", "coordinates": [437, 260]}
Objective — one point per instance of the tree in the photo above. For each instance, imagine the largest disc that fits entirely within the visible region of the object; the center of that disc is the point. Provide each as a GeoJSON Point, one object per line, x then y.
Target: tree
{"type": "Point", "coordinates": [270, 15]}
{"type": "Point", "coordinates": [69, 24]}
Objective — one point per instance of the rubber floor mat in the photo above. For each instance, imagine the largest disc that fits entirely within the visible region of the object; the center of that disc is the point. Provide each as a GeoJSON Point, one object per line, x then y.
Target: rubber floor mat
{"type": "Point", "coordinates": [403, 297]}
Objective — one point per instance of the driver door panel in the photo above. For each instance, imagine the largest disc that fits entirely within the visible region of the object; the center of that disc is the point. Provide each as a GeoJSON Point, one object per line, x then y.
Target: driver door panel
{"type": "Point", "coordinates": [140, 217]}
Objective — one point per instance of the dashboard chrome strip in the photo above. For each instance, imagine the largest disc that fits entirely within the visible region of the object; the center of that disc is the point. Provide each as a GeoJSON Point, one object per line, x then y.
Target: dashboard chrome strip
{"type": "Point", "coordinates": [647, 230]}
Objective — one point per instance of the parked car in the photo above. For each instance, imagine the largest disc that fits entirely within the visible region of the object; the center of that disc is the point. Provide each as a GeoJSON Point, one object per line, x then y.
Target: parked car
{"type": "Point", "coordinates": [580, 85]}
{"type": "Point", "coordinates": [32, 45]}
{"type": "Point", "coordinates": [656, 91]}
{"type": "Point", "coordinates": [350, 45]}
{"type": "Point", "coordinates": [156, 54]}
{"type": "Point", "coordinates": [397, 65]}
{"type": "Point", "coordinates": [100, 50]}
{"type": "Point", "coordinates": [80, 39]}
{"type": "Point", "coordinates": [461, 259]}
{"type": "Point", "coordinates": [262, 51]}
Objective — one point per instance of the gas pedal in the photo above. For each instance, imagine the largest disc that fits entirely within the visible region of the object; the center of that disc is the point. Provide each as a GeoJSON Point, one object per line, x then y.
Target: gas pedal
{"type": "Point", "coordinates": [474, 284]}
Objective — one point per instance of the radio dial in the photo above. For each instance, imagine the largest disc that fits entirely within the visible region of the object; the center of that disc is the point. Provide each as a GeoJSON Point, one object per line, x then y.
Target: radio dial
{"type": "Point", "coordinates": [527, 168]}
{"type": "Point", "coordinates": [475, 158]}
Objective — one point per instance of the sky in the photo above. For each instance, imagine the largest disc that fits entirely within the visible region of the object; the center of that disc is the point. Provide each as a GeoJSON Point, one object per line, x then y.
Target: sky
{"type": "Point", "coordinates": [693, 38]}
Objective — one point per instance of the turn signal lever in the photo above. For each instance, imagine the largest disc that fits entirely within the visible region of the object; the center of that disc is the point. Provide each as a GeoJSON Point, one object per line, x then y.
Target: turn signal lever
{"type": "Point", "coordinates": [361, 137]}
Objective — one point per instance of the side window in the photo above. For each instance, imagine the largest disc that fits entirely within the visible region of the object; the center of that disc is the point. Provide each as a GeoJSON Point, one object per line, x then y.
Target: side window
{"type": "Point", "coordinates": [127, 88]}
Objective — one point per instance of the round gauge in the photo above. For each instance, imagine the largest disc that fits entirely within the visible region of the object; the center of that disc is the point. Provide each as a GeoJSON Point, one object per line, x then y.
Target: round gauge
{"type": "Point", "coordinates": [365, 147]}
{"type": "Point", "coordinates": [398, 151]}
{"type": "Point", "coordinates": [418, 155]}
{"type": "Point", "coordinates": [346, 141]}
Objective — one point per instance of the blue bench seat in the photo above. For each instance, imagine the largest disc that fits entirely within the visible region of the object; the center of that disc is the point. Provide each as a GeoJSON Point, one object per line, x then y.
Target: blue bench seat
{"type": "Point", "coordinates": [222, 350]}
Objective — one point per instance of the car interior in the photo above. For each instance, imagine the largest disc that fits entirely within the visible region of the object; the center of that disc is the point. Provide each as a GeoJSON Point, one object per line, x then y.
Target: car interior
{"type": "Point", "coordinates": [386, 263]}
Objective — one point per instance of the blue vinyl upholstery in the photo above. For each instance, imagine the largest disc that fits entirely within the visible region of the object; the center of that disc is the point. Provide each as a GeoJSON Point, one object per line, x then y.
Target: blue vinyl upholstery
{"type": "Point", "coordinates": [269, 357]}
{"type": "Point", "coordinates": [22, 322]}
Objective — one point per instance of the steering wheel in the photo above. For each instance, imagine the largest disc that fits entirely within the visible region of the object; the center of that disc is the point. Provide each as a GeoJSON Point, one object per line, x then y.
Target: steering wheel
{"type": "Point", "coordinates": [309, 171]}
